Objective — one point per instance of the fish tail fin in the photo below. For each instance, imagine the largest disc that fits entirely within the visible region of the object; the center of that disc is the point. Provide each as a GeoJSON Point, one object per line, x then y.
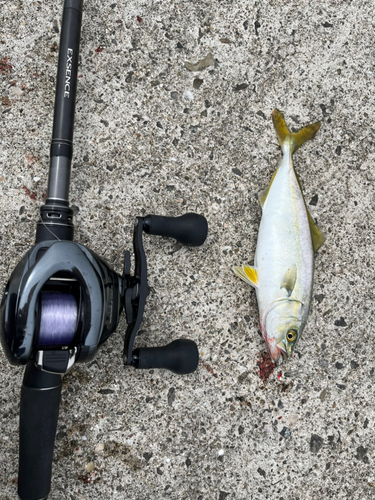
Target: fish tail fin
{"type": "Point", "coordinates": [292, 139]}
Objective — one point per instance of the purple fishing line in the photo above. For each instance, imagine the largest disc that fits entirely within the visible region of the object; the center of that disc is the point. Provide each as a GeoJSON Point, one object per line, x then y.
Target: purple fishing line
{"type": "Point", "coordinates": [58, 319]}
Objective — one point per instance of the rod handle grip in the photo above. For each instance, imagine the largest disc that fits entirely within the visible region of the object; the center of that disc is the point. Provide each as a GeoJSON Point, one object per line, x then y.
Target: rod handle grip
{"type": "Point", "coordinates": [190, 229]}
{"type": "Point", "coordinates": [40, 401]}
{"type": "Point", "coordinates": [180, 356]}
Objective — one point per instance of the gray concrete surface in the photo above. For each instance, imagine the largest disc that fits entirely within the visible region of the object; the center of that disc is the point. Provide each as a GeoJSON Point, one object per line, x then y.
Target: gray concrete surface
{"type": "Point", "coordinates": [153, 136]}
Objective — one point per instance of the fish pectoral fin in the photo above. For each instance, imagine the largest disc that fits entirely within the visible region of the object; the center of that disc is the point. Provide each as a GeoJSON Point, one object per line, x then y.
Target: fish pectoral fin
{"type": "Point", "coordinates": [289, 280]}
{"type": "Point", "coordinates": [248, 274]}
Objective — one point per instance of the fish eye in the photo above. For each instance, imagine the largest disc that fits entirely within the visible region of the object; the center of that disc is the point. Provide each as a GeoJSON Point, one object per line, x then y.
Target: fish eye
{"type": "Point", "coordinates": [291, 336]}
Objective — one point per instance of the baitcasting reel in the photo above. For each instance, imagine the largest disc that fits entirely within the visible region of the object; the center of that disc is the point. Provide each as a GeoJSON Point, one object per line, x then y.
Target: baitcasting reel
{"type": "Point", "coordinates": [63, 301]}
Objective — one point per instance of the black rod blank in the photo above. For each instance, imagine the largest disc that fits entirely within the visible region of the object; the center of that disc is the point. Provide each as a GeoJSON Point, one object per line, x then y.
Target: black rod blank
{"type": "Point", "coordinates": [66, 87]}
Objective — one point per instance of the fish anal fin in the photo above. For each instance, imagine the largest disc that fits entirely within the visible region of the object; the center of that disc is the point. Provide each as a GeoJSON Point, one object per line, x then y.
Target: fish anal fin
{"type": "Point", "coordinates": [289, 279]}
{"type": "Point", "coordinates": [294, 139]}
{"type": "Point", "coordinates": [248, 274]}
{"type": "Point", "coordinates": [316, 234]}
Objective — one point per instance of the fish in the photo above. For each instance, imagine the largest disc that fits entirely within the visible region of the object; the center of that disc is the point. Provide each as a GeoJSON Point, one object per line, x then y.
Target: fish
{"type": "Point", "coordinates": [288, 238]}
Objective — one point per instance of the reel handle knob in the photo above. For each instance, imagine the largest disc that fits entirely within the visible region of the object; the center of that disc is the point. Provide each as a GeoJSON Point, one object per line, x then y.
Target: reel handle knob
{"type": "Point", "coordinates": [180, 356]}
{"type": "Point", "coordinates": [190, 229]}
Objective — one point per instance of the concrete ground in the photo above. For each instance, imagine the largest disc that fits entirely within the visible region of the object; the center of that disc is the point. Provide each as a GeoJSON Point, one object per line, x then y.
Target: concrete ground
{"type": "Point", "coordinates": [155, 135]}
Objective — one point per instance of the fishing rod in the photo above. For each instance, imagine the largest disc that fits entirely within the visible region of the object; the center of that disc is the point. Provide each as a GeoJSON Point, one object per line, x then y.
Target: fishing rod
{"type": "Point", "coordinates": [63, 301]}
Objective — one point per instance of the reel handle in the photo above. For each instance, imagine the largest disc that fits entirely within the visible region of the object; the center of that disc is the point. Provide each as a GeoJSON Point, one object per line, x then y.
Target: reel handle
{"type": "Point", "coordinates": [180, 356]}
{"type": "Point", "coordinates": [190, 229]}
{"type": "Point", "coordinates": [39, 411]}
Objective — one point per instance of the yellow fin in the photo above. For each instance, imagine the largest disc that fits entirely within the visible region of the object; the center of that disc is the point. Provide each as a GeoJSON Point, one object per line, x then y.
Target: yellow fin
{"type": "Point", "coordinates": [316, 234]}
{"type": "Point", "coordinates": [263, 194]}
{"type": "Point", "coordinates": [294, 139]}
{"type": "Point", "coordinates": [248, 274]}
{"type": "Point", "coordinates": [289, 279]}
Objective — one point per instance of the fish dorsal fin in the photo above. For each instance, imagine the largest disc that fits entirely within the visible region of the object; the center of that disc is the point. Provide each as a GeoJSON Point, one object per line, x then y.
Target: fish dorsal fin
{"type": "Point", "coordinates": [316, 234]}
{"type": "Point", "coordinates": [248, 274]}
{"type": "Point", "coordinates": [289, 280]}
{"type": "Point", "coordinates": [294, 139]}
{"type": "Point", "coordinates": [262, 196]}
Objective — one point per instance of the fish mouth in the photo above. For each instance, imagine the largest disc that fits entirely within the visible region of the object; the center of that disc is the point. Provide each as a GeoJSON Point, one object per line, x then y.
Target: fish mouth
{"type": "Point", "coordinates": [281, 357]}
{"type": "Point", "coordinates": [282, 347]}
{"type": "Point", "coordinates": [277, 351]}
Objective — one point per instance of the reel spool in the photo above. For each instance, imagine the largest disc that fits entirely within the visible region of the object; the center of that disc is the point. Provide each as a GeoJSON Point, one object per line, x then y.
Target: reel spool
{"type": "Point", "coordinates": [58, 319]}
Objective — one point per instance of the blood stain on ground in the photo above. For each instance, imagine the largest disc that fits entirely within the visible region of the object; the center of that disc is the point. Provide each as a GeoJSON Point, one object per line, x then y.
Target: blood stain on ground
{"type": "Point", "coordinates": [266, 366]}
{"type": "Point", "coordinates": [29, 193]}
{"type": "Point", "coordinates": [5, 66]}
